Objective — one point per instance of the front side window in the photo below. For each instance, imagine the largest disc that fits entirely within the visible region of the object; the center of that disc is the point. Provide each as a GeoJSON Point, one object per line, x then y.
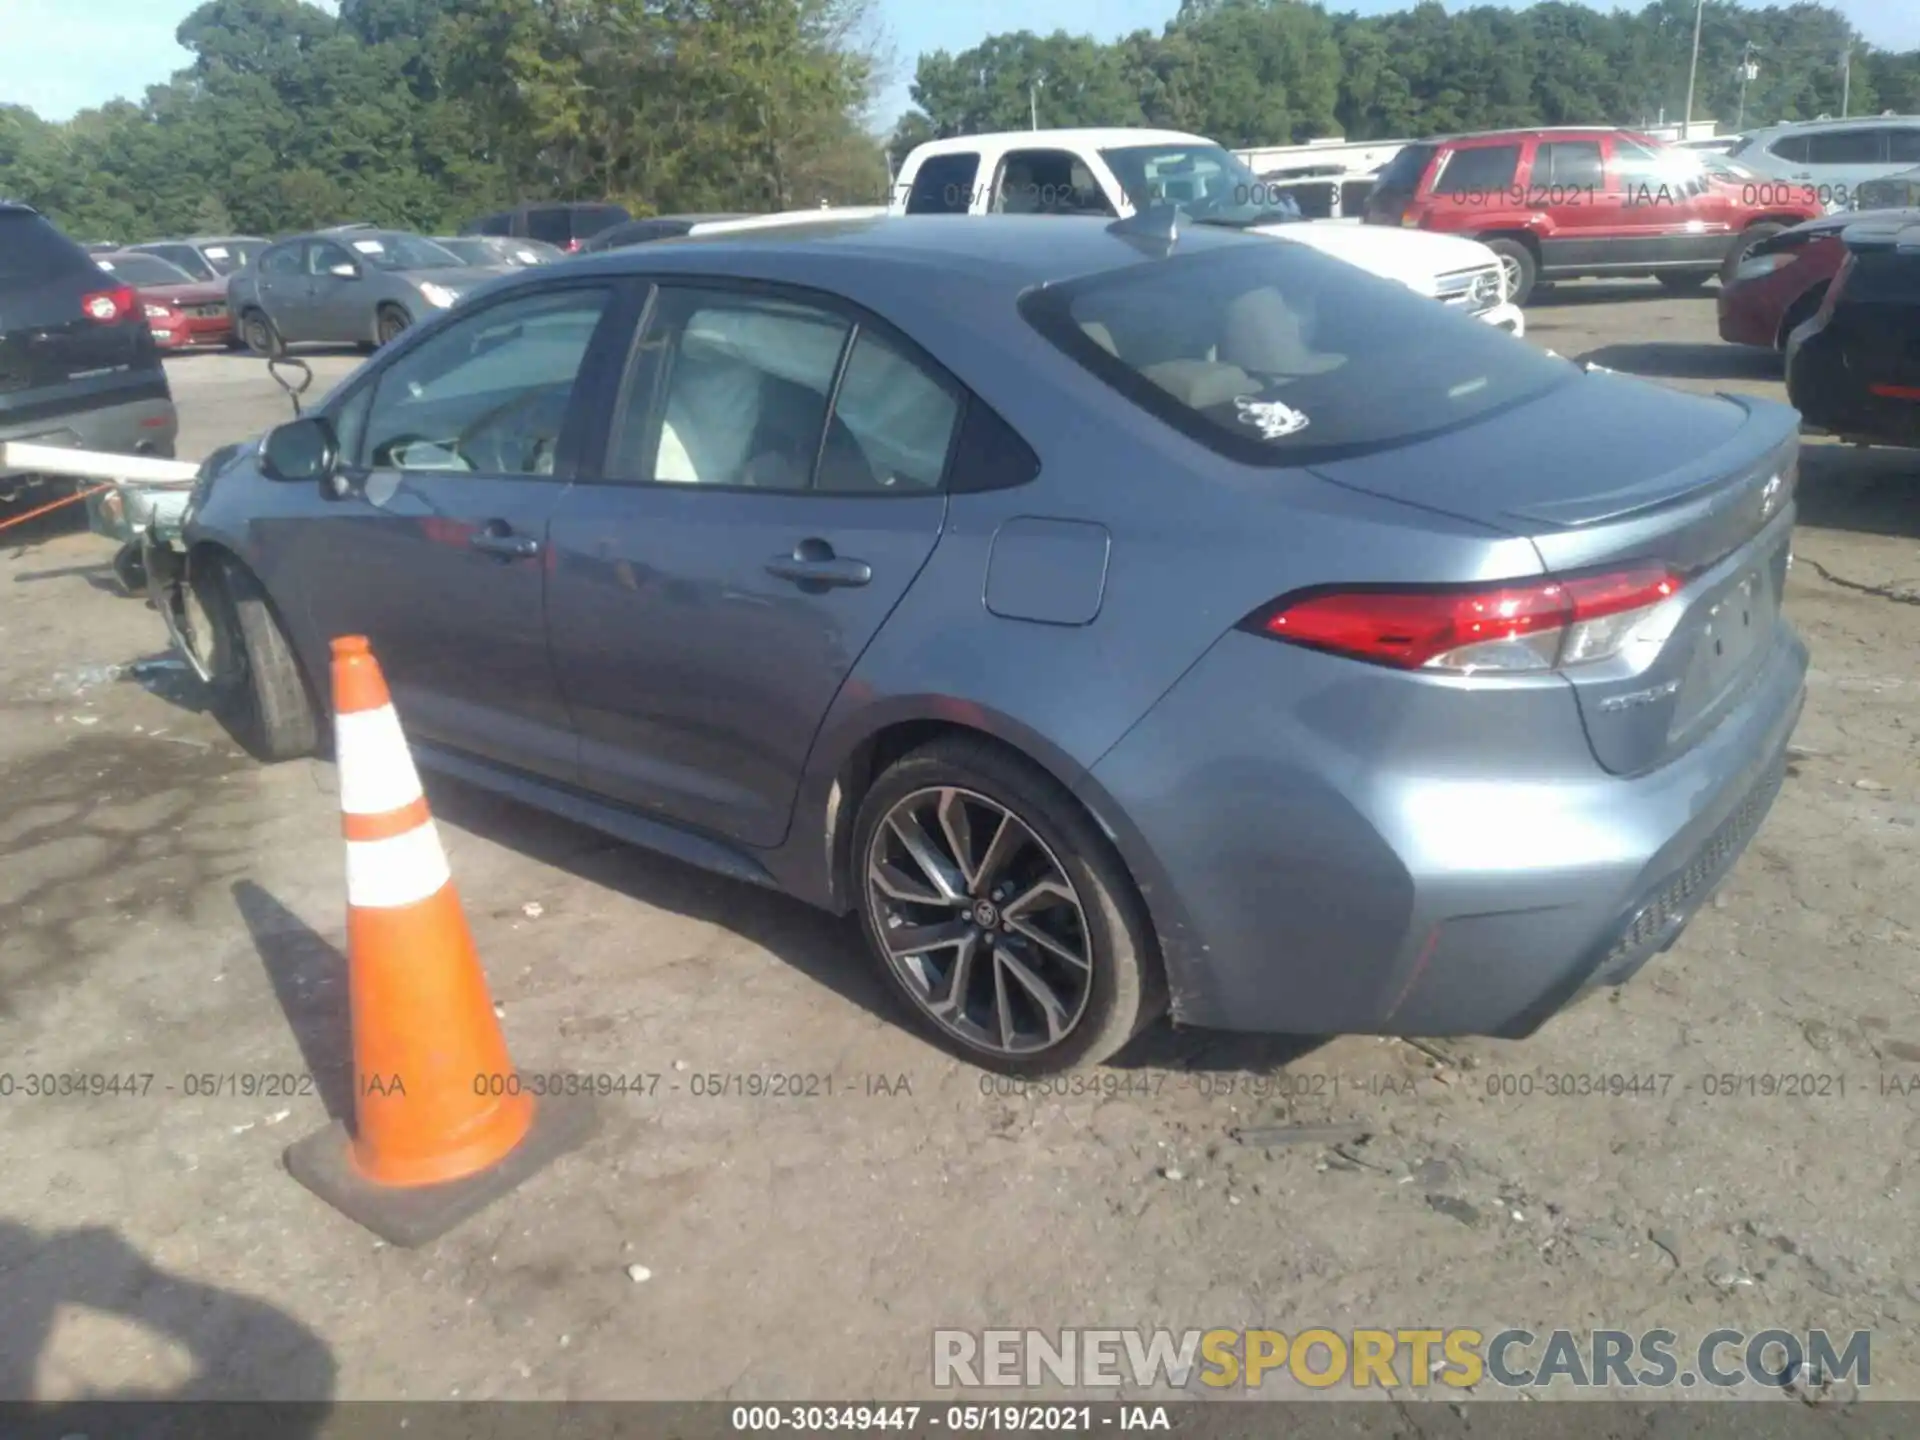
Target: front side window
{"type": "Point", "coordinates": [487, 395]}
{"type": "Point", "coordinates": [323, 256]}
{"type": "Point", "coordinates": [284, 261]}
{"type": "Point", "coordinates": [944, 184]}
{"type": "Point", "coordinates": [1281, 355]}
{"type": "Point", "coordinates": [227, 256]}
{"type": "Point", "coordinates": [1048, 182]}
{"type": "Point", "coordinates": [1210, 184]}
{"type": "Point", "coordinates": [1903, 147]}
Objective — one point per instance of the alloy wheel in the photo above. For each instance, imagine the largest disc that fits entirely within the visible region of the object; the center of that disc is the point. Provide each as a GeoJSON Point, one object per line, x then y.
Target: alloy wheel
{"type": "Point", "coordinates": [1509, 276]}
{"type": "Point", "coordinates": [980, 922]}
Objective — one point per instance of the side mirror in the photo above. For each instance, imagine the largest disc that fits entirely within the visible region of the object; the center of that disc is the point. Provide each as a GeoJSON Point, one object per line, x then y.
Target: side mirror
{"type": "Point", "coordinates": [344, 272]}
{"type": "Point", "coordinates": [303, 451]}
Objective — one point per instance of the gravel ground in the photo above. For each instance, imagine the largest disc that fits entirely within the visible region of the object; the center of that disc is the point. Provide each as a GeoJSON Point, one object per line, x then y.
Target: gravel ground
{"type": "Point", "coordinates": [170, 909]}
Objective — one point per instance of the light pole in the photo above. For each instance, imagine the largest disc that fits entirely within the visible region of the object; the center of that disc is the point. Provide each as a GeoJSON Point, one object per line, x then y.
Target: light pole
{"type": "Point", "coordinates": [1033, 102]}
{"type": "Point", "coordinates": [1693, 70]}
{"type": "Point", "coordinates": [1748, 71]}
{"type": "Point", "coordinates": [1846, 78]}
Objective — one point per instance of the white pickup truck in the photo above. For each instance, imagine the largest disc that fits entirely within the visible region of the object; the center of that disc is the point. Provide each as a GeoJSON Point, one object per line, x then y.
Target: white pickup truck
{"type": "Point", "coordinates": [1117, 172]}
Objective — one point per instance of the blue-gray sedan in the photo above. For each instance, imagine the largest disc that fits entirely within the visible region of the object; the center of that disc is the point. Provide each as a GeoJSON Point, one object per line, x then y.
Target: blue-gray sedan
{"type": "Point", "coordinates": [1117, 620]}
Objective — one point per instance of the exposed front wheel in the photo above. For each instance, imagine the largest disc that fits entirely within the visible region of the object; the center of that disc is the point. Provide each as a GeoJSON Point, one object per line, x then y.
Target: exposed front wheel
{"type": "Point", "coordinates": [258, 691]}
{"type": "Point", "coordinates": [391, 323]}
{"type": "Point", "coordinates": [1518, 268]}
{"type": "Point", "coordinates": [1001, 914]}
{"type": "Point", "coordinates": [259, 334]}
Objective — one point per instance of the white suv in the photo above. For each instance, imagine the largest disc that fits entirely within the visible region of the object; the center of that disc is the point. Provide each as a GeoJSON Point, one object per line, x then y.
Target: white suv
{"type": "Point", "coordinates": [1118, 172]}
{"type": "Point", "coordinates": [1830, 157]}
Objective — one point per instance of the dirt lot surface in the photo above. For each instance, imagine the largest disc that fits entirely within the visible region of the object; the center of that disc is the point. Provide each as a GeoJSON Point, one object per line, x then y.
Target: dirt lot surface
{"type": "Point", "coordinates": [169, 908]}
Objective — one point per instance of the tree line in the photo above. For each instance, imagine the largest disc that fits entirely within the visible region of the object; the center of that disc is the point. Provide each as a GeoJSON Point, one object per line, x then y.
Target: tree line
{"type": "Point", "coordinates": [424, 113]}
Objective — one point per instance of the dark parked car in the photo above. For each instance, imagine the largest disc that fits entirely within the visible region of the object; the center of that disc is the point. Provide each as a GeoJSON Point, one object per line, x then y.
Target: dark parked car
{"type": "Point", "coordinates": [78, 365]}
{"type": "Point", "coordinates": [1096, 633]}
{"type": "Point", "coordinates": [568, 226]}
{"type": "Point", "coordinates": [654, 227]}
{"type": "Point", "coordinates": [346, 286]}
{"type": "Point", "coordinates": [1854, 370]}
{"type": "Point", "coordinates": [499, 251]}
{"type": "Point", "coordinates": [1892, 192]}
{"type": "Point", "coordinates": [207, 257]}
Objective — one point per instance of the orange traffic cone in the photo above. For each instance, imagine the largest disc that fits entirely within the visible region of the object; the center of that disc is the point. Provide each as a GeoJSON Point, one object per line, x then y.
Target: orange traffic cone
{"type": "Point", "coordinates": [442, 1125]}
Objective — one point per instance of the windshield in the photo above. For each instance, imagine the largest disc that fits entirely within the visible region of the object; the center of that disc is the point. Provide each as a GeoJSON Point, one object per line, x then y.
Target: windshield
{"type": "Point", "coordinates": [1282, 355]}
{"type": "Point", "coordinates": [396, 250]}
{"type": "Point", "coordinates": [1205, 181]}
{"type": "Point", "coordinates": [143, 270]}
{"type": "Point", "coordinates": [469, 251]}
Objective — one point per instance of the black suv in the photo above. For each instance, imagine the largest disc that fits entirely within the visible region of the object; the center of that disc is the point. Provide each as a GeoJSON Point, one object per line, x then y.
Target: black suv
{"type": "Point", "coordinates": [568, 225]}
{"type": "Point", "coordinates": [1854, 369]}
{"type": "Point", "coordinates": [78, 365]}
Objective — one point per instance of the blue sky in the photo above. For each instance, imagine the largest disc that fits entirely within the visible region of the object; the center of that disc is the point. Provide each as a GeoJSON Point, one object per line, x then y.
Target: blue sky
{"type": "Point", "coordinates": [63, 55]}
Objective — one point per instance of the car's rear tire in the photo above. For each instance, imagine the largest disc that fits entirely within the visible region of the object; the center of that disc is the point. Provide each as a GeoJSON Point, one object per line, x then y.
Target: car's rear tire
{"type": "Point", "coordinates": [259, 693]}
{"type": "Point", "coordinates": [1749, 237]}
{"type": "Point", "coordinates": [1686, 282]}
{"type": "Point", "coordinates": [1517, 266]}
{"type": "Point", "coordinates": [390, 323]}
{"type": "Point", "coordinates": [1798, 313]}
{"type": "Point", "coordinates": [1066, 976]}
{"type": "Point", "coordinates": [259, 334]}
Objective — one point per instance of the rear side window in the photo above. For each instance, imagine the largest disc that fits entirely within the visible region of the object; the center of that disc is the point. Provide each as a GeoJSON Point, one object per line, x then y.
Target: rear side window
{"type": "Point", "coordinates": [1903, 147]}
{"type": "Point", "coordinates": [1791, 147]}
{"type": "Point", "coordinates": [1848, 147]}
{"type": "Point", "coordinates": [284, 261]}
{"type": "Point", "coordinates": [1402, 173]}
{"type": "Point", "coordinates": [943, 185]}
{"type": "Point", "coordinates": [1479, 170]}
{"type": "Point", "coordinates": [1568, 164]}
{"type": "Point", "coordinates": [32, 252]}
{"type": "Point", "coordinates": [1280, 355]}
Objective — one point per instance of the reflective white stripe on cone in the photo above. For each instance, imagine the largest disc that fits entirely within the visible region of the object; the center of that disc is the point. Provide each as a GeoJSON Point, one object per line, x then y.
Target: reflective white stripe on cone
{"type": "Point", "coordinates": [376, 769]}
{"type": "Point", "coordinates": [403, 870]}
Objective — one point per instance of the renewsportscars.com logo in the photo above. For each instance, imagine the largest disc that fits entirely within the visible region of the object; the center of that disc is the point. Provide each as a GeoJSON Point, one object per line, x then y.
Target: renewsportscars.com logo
{"type": "Point", "coordinates": [1457, 1358]}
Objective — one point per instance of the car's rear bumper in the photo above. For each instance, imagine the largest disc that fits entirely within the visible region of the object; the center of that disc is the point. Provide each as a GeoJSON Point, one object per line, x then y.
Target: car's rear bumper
{"type": "Point", "coordinates": [1330, 848]}
{"type": "Point", "coordinates": [139, 427]}
{"type": "Point", "coordinates": [1831, 393]}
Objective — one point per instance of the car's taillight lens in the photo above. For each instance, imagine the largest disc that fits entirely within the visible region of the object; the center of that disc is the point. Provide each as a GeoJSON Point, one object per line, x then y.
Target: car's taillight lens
{"type": "Point", "coordinates": [108, 307]}
{"type": "Point", "coordinates": [1519, 626]}
{"type": "Point", "coordinates": [573, 247]}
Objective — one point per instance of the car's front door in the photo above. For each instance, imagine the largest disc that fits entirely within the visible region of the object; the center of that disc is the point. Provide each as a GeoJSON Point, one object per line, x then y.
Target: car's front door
{"type": "Point", "coordinates": [279, 284]}
{"type": "Point", "coordinates": [338, 307]}
{"type": "Point", "coordinates": [773, 484]}
{"type": "Point", "coordinates": [460, 448]}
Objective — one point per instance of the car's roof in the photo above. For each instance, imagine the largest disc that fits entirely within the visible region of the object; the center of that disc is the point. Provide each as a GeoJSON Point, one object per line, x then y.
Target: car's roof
{"type": "Point", "coordinates": [1010, 251]}
{"type": "Point", "coordinates": [200, 240]}
{"type": "Point", "coordinates": [1103, 137]}
{"type": "Point", "coordinates": [1522, 130]}
{"type": "Point", "coordinates": [1851, 122]}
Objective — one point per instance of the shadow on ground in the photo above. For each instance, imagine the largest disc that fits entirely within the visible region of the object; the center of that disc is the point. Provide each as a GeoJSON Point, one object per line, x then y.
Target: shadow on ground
{"type": "Point", "coordinates": [309, 978]}
{"type": "Point", "coordinates": [1564, 295]}
{"type": "Point", "coordinates": [1687, 360]}
{"type": "Point", "coordinates": [1868, 491]}
{"type": "Point", "coordinates": [243, 1349]}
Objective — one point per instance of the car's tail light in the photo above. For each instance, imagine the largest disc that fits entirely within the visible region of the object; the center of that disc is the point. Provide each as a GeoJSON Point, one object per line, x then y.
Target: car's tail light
{"type": "Point", "coordinates": [108, 307]}
{"type": "Point", "coordinates": [1518, 626]}
{"type": "Point", "coordinates": [573, 247]}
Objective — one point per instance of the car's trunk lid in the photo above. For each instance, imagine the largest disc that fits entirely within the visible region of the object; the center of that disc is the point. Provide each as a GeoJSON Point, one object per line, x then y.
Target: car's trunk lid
{"type": "Point", "coordinates": [1607, 471]}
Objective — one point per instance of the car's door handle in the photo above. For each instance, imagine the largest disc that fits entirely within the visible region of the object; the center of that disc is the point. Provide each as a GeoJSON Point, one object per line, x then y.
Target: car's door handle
{"type": "Point", "coordinates": [814, 563]}
{"type": "Point", "coordinates": [495, 538]}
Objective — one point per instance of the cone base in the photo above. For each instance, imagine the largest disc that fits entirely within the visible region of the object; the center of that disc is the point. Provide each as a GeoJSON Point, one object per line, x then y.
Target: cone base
{"type": "Point", "coordinates": [414, 1215]}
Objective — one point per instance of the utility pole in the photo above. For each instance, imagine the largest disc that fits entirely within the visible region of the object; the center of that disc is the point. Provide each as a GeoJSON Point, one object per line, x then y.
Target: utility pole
{"type": "Point", "coordinates": [1033, 102]}
{"type": "Point", "coordinates": [1748, 71]}
{"type": "Point", "coordinates": [1693, 70]}
{"type": "Point", "coordinates": [1846, 78]}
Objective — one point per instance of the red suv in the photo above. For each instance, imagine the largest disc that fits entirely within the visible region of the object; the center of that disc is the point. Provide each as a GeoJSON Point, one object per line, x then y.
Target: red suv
{"type": "Point", "coordinates": [1557, 204]}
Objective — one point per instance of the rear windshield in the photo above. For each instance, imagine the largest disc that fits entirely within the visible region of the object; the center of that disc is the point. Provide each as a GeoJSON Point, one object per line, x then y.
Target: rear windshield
{"type": "Point", "coordinates": [32, 251]}
{"type": "Point", "coordinates": [1402, 173]}
{"type": "Point", "coordinates": [143, 270]}
{"type": "Point", "coordinates": [1278, 354]}
{"type": "Point", "coordinates": [394, 250]}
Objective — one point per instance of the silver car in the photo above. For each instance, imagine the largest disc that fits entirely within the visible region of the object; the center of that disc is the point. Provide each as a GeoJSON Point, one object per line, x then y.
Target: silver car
{"type": "Point", "coordinates": [358, 286]}
{"type": "Point", "coordinates": [1151, 621]}
{"type": "Point", "coordinates": [1828, 158]}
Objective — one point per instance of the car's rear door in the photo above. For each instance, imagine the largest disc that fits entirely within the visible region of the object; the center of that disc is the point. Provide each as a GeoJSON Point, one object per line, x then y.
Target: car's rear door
{"type": "Point", "coordinates": [461, 447]}
{"type": "Point", "coordinates": [72, 337]}
{"type": "Point", "coordinates": [773, 484]}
